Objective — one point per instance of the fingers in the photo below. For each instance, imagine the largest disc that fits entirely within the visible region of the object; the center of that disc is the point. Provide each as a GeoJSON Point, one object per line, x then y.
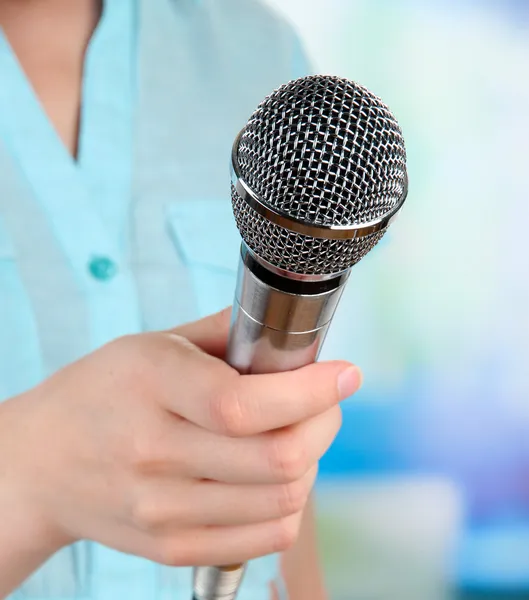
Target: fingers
{"type": "Point", "coordinates": [259, 403]}
{"type": "Point", "coordinates": [244, 405]}
{"type": "Point", "coordinates": [280, 456]}
{"type": "Point", "coordinates": [209, 334]}
{"type": "Point", "coordinates": [209, 503]}
{"type": "Point", "coordinates": [231, 505]}
{"type": "Point", "coordinates": [211, 394]}
{"type": "Point", "coordinates": [184, 378]}
{"type": "Point", "coordinates": [208, 545]}
{"type": "Point", "coordinates": [227, 545]}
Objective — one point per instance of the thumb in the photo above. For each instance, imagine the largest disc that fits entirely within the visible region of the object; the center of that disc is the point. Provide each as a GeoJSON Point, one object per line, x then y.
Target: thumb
{"type": "Point", "coordinates": [209, 334]}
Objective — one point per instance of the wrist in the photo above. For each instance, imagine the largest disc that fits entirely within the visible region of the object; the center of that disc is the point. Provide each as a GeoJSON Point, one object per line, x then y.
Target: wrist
{"type": "Point", "coordinates": [24, 517]}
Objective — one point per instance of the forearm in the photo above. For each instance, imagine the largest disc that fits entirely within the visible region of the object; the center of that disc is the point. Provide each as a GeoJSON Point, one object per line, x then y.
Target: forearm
{"type": "Point", "coordinates": [25, 543]}
{"type": "Point", "coordinates": [301, 564]}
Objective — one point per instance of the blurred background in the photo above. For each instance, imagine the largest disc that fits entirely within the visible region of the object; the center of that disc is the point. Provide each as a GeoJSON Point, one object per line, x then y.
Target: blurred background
{"type": "Point", "coordinates": [425, 494]}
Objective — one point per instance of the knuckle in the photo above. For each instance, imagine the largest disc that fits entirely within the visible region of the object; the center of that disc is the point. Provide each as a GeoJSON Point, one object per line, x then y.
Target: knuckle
{"type": "Point", "coordinates": [146, 515]}
{"type": "Point", "coordinates": [227, 412]}
{"type": "Point", "coordinates": [315, 397]}
{"type": "Point", "coordinates": [323, 396]}
{"type": "Point", "coordinates": [142, 458]}
{"type": "Point", "coordinates": [173, 554]}
{"type": "Point", "coordinates": [292, 497]}
{"type": "Point", "coordinates": [313, 387]}
{"type": "Point", "coordinates": [287, 456]}
{"type": "Point", "coordinates": [286, 534]}
{"type": "Point", "coordinates": [146, 458]}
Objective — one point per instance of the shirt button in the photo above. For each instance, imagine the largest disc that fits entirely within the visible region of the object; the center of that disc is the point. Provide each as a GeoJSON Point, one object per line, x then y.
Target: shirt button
{"type": "Point", "coordinates": [102, 268]}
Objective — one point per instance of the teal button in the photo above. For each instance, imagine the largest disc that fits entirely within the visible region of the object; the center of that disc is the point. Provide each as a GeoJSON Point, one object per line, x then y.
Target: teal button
{"type": "Point", "coordinates": [102, 268]}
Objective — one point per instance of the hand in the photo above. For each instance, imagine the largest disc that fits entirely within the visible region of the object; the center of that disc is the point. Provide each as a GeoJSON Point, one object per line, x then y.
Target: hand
{"type": "Point", "coordinates": [154, 446]}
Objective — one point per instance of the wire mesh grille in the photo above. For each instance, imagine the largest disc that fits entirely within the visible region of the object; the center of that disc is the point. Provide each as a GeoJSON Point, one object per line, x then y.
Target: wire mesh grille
{"type": "Point", "coordinates": [326, 151]}
{"type": "Point", "coordinates": [293, 251]}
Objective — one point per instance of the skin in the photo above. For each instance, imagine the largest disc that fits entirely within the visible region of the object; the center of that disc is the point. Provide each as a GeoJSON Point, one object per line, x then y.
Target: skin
{"type": "Point", "coordinates": [145, 443]}
{"type": "Point", "coordinates": [154, 446]}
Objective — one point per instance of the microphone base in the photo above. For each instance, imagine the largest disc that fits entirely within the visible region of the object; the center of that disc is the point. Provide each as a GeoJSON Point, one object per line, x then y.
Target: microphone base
{"type": "Point", "coordinates": [217, 583]}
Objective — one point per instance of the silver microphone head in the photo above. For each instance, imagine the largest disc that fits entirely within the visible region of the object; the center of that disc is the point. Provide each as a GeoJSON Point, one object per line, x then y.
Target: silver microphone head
{"type": "Point", "coordinates": [318, 173]}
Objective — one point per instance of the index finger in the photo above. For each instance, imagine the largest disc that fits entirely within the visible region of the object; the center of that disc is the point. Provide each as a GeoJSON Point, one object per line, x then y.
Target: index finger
{"type": "Point", "coordinates": [254, 404]}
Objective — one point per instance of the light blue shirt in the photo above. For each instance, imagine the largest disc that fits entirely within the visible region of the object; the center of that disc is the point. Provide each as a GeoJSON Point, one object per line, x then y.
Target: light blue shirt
{"type": "Point", "coordinates": [138, 234]}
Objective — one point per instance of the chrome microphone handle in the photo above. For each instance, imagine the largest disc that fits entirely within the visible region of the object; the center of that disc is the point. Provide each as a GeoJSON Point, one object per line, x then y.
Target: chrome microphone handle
{"type": "Point", "coordinates": [278, 324]}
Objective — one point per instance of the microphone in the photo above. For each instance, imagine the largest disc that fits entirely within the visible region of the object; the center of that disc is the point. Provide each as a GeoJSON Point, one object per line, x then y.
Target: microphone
{"type": "Point", "coordinates": [318, 175]}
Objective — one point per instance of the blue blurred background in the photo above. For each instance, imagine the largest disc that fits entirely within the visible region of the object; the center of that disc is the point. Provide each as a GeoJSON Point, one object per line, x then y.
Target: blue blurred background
{"type": "Point", "coordinates": [425, 494]}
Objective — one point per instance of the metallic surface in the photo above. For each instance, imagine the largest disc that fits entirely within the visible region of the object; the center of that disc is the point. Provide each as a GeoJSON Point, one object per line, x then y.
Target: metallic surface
{"type": "Point", "coordinates": [332, 232]}
{"type": "Point", "coordinates": [319, 172]}
{"type": "Point", "coordinates": [294, 276]}
{"type": "Point", "coordinates": [271, 331]}
{"type": "Point", "coordinates": [217, 583]}
{"type": "Point", "coordinates": [295, 252]}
